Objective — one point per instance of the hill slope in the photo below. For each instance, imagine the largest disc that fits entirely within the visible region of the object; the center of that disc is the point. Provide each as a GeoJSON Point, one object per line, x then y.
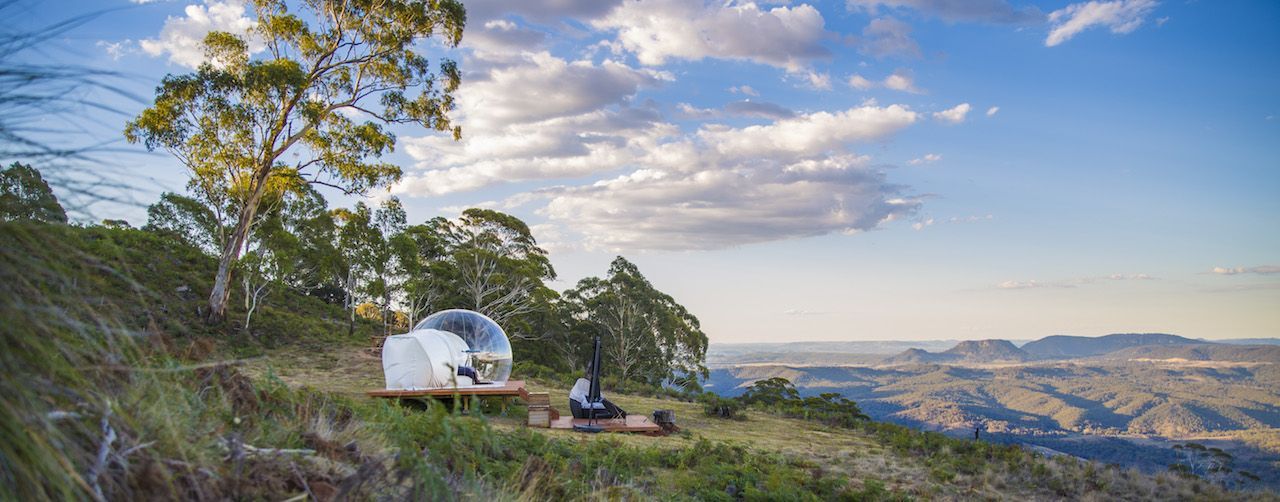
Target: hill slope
{"type": "Point", "coordinates": [969, 351]}
{"type": "Point", "coordinates": [1068, 347]}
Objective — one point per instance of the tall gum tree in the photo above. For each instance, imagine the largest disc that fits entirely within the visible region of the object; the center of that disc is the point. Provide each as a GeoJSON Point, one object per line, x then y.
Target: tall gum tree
{"type": "Point", "coordinates": [245, 126]}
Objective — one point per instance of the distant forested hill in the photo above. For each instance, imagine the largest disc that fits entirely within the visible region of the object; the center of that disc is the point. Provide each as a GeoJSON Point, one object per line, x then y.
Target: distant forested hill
{"type": "Point", "coordinates": [1067, 347]}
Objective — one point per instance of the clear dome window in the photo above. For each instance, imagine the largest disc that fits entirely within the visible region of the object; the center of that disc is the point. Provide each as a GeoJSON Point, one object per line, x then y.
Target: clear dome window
{"type": "Point", "coordinates": [490, 353]}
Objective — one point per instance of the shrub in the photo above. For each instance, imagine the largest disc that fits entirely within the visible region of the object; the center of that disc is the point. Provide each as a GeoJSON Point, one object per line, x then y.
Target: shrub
{"type": "Point", "coordinates": [719, 407]}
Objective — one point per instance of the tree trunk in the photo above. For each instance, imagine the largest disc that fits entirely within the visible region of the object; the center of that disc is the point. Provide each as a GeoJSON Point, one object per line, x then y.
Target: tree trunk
{"type": "Point", "coordinates": [221, 293]}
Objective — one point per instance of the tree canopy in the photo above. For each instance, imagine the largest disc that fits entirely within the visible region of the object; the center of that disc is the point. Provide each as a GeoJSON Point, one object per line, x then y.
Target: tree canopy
{"type": "Point", "coordinates": [646, 334]}
{"type": "Point", "coordinates": [233, 121]}
{"type": "Point", "coordinates": [24, 195]}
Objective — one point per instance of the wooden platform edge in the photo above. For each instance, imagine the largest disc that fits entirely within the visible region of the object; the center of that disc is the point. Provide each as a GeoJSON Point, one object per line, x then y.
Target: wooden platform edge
{"type": "Point", "coordinates": [511, 388]}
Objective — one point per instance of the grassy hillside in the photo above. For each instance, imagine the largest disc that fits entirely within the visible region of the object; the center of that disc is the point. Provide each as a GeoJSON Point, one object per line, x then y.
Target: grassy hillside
{"type": "Point", "coordinates": [113, 388]}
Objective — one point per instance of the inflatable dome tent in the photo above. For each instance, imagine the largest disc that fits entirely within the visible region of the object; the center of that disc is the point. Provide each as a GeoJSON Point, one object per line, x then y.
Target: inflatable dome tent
{"type": "Point", "coordinates": [429, 356]}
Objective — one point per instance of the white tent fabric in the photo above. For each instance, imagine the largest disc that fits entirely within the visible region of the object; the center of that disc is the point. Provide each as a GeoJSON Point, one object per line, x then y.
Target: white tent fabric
{"type": "Point", "coordinates": [424, 359]}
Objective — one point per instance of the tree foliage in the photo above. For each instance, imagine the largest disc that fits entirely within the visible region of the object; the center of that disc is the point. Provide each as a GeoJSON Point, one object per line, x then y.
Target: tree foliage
{"type": "Point", "coordinates": [646, 334]}
{"type": "Point", "coordinates": [250, 127]}
{"type": "Point", "coordinates": [24, 195]}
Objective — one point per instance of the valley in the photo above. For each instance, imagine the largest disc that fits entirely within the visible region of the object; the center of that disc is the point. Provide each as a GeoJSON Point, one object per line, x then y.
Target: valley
{"type": "Point", "coordinates": [1124, 399]}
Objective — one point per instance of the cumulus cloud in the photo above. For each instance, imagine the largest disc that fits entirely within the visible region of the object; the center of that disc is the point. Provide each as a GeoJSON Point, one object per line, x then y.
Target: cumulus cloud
{"type": "Point", "coordinates": [990, 11]}
{"type": "Point", "coordinates": [1120, 16]}
{"type": "Point", "coordinates": [887, 36]}
{"type": "Point", "coordinates": [541, 86]}
{"type": "Point", "coordinates": [718, 187]}
{"type": "Point", "coordinates": [953, 115]}
{"type": "Point", "coordinates": [784, 37]}
{"type": "Point", "coordinates": [724, 186]}
{"type": "Point", "coordinates": [928, 158]}
{"type": "Point", "coordinates": [182, 38]}
{"type": "Point", "coordinates": [719, 208]}
{"type": "Point", "coordinates": [810, 134]}
{"type": "Point", "coordinates": [1259, 270]}
{"type": "Point", "coordinates": [539, 117]}
{"type": "Point", "coordinates": [991, 112]}
{"type": "Point", "coordinates": [745, 89]}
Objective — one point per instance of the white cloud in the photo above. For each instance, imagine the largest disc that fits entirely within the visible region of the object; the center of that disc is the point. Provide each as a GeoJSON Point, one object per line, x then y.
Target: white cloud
{"type": "Point", "coordinates": [901, 80]}
{"type": "Point", "coordinates": [887, 36]}
{"type": "Point", "coordinates": [117, 50]}
{"type": "Point", "coordinates": [1259, 270]}
{"type": "Point", "coordinates": [802, 312]}
{"type": "Point", "coordinates": [182, 38]}
{"type": "Point", "coordinates": [991, 112]}
{"type": "Point", "coordinates": [819, 80]}
{"type": "Point", "coordinates": [1030, 285]}
{"type": "Point", "coordinates": [539, 86]}
{"type": "Point", "coordinates": [744, 108]}
{"type": "Point", "coordinates": [718, 187]}
{"type": "Point", "coordinates": [859, 82]}
{"type": "Point", "coordinates": [928, 158]}
{"type": "Point", "coordinates": [784, 37]}
{"type": "Point", "coordinates": [808, 135]}
{"type": "Point", "coordinates": [930, 221]}
{"type": "Point", "coordinates": [499, 37]}
{"type": "Point", "coordinates": [689, 111]}
{"type": "Point", "coordinates": [758, 109]}
{"type": "Point", "coordinates": [1071, 283]}
{"type": "Point", "coordinates": [538, 117]}
{"type": "Point", "coordinates": [726, 186]}
{"type": "Point", "coordinates": [991, 11]}
{"type": "Point", "coordinates": [954, 115]}
{"type": "Point", "coordinates": [1121, 16]}
{"type": "Point", "coordinates": [745, 89]}
{"type": "Point", "coordinates": [729, 206]}
{"type": "Point", "coordinates": [542, 11]}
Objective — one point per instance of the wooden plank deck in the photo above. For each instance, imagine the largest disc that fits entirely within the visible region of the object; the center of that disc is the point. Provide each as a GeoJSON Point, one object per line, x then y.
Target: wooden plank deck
{"type": "Point", "coordinates": [633, 423]}
{"type": "Point", "coordinates": [512, 388]}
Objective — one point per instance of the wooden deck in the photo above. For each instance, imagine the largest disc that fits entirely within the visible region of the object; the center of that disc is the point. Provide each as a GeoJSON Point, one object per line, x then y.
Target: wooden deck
{"type": "Point", "coordinates": [512, 388]}
{"type": "Point", "coordinates": [633, 423]}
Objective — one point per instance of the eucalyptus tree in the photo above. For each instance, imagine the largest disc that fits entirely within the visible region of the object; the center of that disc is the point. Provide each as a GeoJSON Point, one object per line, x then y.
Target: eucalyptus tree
{"type": "Point", "coordinates": [647, 335]}
{"type": "Point", "coordinates": [499, 266]}
{"type": "Point", "coordinates": [355, 230]}
{"type": "Point", "coordinates": [283, 251]}
{"type": "Point", "coordinates": [24, 195]}
{"type": "Point", "coordinates": [422, 262]}
{"type": "Point", "coordinates": [380, 254]}
{"type": "Point", "coordinates": [188, 220]}
{"type": "Point", "coordinates": [246, 124]}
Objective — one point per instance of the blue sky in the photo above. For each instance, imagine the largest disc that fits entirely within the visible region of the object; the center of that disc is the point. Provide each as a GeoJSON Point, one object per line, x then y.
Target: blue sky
{"type": "Point", "coordinates": [868, 169]}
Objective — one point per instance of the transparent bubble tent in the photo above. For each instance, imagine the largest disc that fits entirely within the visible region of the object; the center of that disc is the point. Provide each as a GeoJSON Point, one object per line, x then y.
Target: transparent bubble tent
{"type": "Point", "coordinates": [429, 356]}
